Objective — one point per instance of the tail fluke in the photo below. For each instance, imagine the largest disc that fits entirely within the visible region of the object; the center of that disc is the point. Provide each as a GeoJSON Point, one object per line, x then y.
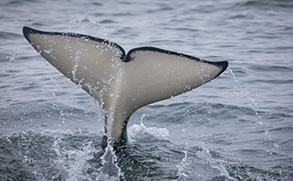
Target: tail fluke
{"type": "Point", "coordinates": [122, 83]}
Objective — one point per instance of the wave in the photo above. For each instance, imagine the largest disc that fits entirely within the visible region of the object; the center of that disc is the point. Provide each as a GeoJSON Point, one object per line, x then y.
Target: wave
{"type": "Point", "coordinates": [264, 4]}
{"type": "Point", "coordinates": [9, 35]}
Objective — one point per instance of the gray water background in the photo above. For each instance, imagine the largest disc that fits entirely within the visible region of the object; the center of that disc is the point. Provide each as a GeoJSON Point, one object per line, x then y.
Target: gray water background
{"type": "Point", "coordinates": [237, 127]}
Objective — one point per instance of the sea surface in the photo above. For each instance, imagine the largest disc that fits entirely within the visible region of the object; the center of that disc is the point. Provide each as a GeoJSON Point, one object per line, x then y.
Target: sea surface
{"type": "Point", "coordinates": [236, 127]}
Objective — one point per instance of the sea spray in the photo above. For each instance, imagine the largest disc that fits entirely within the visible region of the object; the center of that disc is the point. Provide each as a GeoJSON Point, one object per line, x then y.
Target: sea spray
{"type": "Point", "coordinates": [110, 170]}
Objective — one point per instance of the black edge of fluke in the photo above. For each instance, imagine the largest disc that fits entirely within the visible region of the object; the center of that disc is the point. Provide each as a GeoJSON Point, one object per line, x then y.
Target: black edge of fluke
{"type": "Point", "coordinates": [223, 65]}
{"type": "Point", "coordinates": [126, 58]}
{"type": "Point", "coordinates": [26, 31]}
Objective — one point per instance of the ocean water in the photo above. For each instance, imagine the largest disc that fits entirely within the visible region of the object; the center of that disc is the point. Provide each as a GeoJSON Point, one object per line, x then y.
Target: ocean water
{"type": "Point", "coordinates": [237, 127]}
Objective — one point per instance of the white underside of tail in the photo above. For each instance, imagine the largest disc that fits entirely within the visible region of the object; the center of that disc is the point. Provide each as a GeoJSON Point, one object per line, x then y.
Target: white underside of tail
{"type": "Point", "coordinates": [122, 83]}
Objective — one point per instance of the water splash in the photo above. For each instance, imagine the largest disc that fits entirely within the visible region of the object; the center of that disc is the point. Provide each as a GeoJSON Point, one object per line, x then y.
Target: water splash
{"type": "Point", "coordinates": [140, 130]}
{"type": "Point", "coordinates": [238, 90]}
{"type": "Point", "coordinates": [180, 166]}
{"type": "Point", "coordinates": [78, 157]}
{"type": "Point", "coordinates": [87, 26]}
{"type": "Point", "coordinates": [110, 170]}
{"type": "Point", "coordinates": [206, 155]}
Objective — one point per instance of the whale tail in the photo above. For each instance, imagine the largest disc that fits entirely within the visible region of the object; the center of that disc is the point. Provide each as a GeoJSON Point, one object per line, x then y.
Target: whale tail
{"type": "Point", "coordinates": [122, 83]}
